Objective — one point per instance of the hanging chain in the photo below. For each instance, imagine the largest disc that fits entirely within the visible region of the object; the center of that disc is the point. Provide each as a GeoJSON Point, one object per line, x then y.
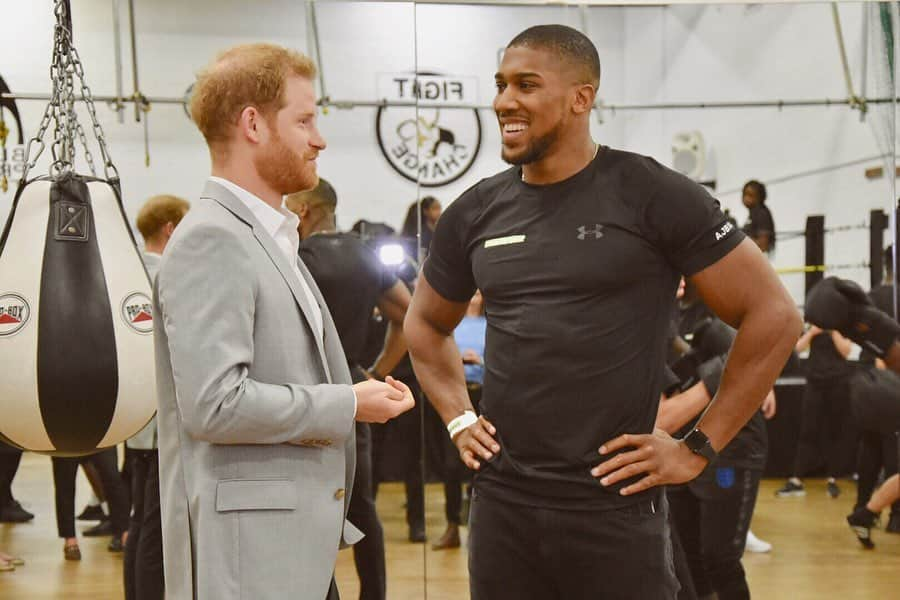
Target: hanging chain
{"type": "Point", "coordinates": [109, 169]}
{"type": "Point", "coordinates": [4, 165]}
{"type": "Point", "coordinates": [65, 66]}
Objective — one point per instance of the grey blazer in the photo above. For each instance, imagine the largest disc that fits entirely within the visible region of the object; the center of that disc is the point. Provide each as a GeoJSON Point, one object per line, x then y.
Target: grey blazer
{"type": "Point", "coordinates": [256, 436]}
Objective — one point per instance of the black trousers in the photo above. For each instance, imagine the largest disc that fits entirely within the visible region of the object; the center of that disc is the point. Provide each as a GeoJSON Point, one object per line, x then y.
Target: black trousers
{"type": "Point", "coordinates": [876, 451]}
{"type": "Point", "coordinates": [143, 561]}
{"type": "Point", "coordinates": [9, 464]}
{"type": "Point", "coordinates": [368, 553]}
{"type": "Point", "coordinates": [712, 515]}
{"type": "Point", "coordinates": [682, 568]}
{"type": "Point", "coordinates": [526, 553]}
{"type": "Point", "coordinates": [64, 472]}
{"type": "Point", "coordinates": [825, 428]}
{"type": "Point", "coordinates": [444, 456]}
{"type": "Point", "coordinates": [410, 424]}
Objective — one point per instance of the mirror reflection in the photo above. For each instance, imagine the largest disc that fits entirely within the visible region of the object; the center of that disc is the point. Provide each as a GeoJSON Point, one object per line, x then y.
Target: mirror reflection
{"type": "Point", "coordinates": [797, 149]}
{"type": "Point", "coordinates": [542, 214]}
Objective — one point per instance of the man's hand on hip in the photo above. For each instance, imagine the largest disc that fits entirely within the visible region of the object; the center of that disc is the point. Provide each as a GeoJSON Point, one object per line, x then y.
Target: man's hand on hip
{"type": "Point", "coordinates": [663, 459]}
{"type": "Point", "coordinates": [477, 441]}
{"type": "Point", "coordinates": [379, 402]}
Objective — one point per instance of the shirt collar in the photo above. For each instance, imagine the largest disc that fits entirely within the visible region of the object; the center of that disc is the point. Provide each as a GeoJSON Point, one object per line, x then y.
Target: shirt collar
{"type": "Point", "coordinates": [271, 219]}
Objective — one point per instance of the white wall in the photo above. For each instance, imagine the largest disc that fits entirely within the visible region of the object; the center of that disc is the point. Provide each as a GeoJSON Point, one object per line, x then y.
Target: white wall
{"type": "Point", "coordinates": [649, 54]}
{"type": "Point", "coordinates": [755, 53]}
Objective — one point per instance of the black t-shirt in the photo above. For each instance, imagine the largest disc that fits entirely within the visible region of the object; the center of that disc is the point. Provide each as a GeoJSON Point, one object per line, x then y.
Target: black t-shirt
{"type": "Point", "coordinates": [825, 363]}
{"type": "Point", "coordinates": [749, 448]}
{"type": "Point", "coordinates": [760, 221]}
{"type": "Point", "coordinates": [882, 297]}
{"type": "Point", "coordinates": [579, 281]}
{"type": "Point", "coordinates": [351, 279]}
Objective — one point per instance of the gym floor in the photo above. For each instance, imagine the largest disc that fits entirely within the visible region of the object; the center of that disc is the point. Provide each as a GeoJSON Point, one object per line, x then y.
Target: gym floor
{"type": "Point", "coordinates": [815, 555]}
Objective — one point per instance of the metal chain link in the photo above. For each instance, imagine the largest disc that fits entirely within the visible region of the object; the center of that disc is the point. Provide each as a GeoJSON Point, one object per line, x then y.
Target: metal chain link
{"type": "Point", "coordinates": [4, 165]}
{"type": "Point", "coordinates": [65, 66]}
{"type": "Point", "coordinates": [109, 169]}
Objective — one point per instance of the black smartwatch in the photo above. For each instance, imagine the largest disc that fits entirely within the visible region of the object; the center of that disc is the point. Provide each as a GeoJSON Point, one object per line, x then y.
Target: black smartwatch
{"type": "Point", "coordinates": [698, 443]}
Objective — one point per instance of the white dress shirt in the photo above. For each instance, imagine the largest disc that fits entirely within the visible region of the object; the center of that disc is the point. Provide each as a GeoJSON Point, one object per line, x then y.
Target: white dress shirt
{"type": "Point", "coordinates": [281, 225]}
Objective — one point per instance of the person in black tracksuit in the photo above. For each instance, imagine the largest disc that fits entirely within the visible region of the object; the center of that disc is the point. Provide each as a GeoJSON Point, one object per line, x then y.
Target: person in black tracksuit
{"type": "Point", "coordinates": [353, 281]}
{"type": "Point", "coordinates": [712, 513]}
{"type": "Point", "coordinates": [878, 450]}
{"type": "Point", "coordinates": [826, 428]}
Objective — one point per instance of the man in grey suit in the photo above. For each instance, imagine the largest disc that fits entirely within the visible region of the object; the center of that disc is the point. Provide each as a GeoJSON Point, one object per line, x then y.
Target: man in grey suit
{"type": "Point", "coordinates": [256, 407]}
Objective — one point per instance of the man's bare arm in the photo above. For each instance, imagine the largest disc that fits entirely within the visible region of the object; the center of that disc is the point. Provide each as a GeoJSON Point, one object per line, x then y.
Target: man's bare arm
{"type": "Point", "coordinates": [429, 327]}
{"type": "Point", "coordinates": [744, 291]}
{"type": "Point", "coordinates": [393, 305]}
{"type": "Point", "coordinates": [678, 410]}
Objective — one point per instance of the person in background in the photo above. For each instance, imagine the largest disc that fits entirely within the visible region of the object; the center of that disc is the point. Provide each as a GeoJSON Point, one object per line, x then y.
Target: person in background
{"type": "Point", "coordinates": [825, 409]}
{"type": "Point", "coordinates": [353, 282]}
{"type": "Point", "coordinates": [421, 219]}
{"type": "Point", "coordinates": [143, 561]}
{"type": "Point", "coordinates": [760, 227]}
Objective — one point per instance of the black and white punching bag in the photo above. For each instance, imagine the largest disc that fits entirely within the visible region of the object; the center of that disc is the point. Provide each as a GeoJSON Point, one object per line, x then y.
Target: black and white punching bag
{"type": "Point", "coordinates": [76, 327]}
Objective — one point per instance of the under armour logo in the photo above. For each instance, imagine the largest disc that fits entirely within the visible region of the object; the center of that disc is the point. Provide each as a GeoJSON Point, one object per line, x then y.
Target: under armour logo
{"type": "Point", "coordinates": [597, 232]}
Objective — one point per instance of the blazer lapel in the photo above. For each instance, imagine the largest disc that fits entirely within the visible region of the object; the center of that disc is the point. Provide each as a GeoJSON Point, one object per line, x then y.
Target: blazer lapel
{"type": "Point", "coordinates": [223, 196]}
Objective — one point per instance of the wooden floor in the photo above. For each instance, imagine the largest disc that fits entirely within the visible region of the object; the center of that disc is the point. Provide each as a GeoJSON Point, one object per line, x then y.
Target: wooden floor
{"type": "Point", "coordinates": [815, 555]}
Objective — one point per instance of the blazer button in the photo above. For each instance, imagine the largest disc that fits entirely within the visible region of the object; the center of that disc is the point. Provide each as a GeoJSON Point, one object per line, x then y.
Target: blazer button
{"type": "Point", "coordinates": [339, 495]}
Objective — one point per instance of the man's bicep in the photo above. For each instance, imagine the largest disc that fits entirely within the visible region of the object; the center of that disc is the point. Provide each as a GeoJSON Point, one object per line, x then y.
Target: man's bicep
{"type": "Point", "coordinates": [429, 308]}
{"type": "Point", "coordinates": [394, 302]}
{"type": "Point", "coordinates": [735, 283]}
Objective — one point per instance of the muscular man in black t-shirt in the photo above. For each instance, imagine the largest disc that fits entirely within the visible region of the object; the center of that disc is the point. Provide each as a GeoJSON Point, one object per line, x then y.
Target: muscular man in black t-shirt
{"type": "Point", "coordinates": [578, 250]}
{"type": "Point", "coordinates": [353, 281]}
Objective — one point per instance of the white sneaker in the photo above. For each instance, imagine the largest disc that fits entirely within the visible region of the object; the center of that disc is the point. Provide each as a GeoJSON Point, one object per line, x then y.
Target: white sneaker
{"type": "Point", "coordinates": [756, 545]}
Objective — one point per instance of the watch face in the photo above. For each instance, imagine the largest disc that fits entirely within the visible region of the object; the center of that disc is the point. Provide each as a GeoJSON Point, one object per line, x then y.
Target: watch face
{"type": "Point", "coordinates": [695, 440]}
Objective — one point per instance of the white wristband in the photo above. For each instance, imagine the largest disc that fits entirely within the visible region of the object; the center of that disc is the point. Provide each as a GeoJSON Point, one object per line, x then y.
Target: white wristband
{"type": "Point", "coordinates": [461, 422]}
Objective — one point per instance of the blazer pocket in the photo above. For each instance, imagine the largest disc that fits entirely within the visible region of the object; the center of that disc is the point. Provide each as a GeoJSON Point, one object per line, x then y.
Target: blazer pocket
{"type": "Point", "coordinates": [255, 494]}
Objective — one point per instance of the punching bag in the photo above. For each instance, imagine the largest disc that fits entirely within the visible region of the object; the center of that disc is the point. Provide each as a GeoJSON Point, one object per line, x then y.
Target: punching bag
{"type": "Point", "coordinates": [76, 327]}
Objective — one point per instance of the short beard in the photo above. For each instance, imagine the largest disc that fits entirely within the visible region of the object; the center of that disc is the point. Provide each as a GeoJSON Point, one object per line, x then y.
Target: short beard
{"type": "Point", "coordinates": [535, 150]}
{"type": "Point", "coordinates": [284, 170]}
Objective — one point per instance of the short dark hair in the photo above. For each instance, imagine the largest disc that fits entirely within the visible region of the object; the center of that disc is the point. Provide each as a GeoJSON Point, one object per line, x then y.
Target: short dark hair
{"type": "Point", "coordinates": [568, 43]}
{"type": "Point", "coordinates": [322, 195]}
{"type": "Point", "coordinates": [758, 187]}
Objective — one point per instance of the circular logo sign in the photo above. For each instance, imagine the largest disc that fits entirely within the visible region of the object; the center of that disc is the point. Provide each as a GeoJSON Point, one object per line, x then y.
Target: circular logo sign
{"type": "Point", "coordinates": [14, 314]}
{"type": "Point", "coordinates": [137, 310]}
{"type": "Point", "coordinates": [432, 146]}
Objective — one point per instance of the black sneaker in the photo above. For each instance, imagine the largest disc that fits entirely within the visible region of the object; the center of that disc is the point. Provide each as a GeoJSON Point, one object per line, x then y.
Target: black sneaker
{"type": "Point", "coordinates": [791, 489]}
{"type": "Point", "coordinates": [417, 534]}
{"type": "Point", "coordinates": [14, 513]}
{"type": "Point", "coordinates": [861, 522]}
{"type": "Point", "coordinates": [833, 490]}
{"type": "Point", "coordinates": [893, 525]}
{"type": "Point", "coordinates": [115, 544]}
{"type": "Point", "coordinates": [92, 512]}
{"type": "Point", "coordinates": [101, 529]}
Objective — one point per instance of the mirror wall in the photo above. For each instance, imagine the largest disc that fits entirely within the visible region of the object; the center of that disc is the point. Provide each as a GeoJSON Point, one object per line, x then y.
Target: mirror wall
{"type": "Point", "coordinates": [727, 94]}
